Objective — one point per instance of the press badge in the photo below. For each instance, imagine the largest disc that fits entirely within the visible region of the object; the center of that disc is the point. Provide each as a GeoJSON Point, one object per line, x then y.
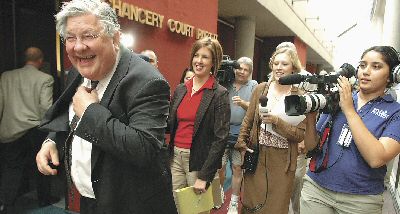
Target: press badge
{"type": "Point", "coordinates": [345, 136]}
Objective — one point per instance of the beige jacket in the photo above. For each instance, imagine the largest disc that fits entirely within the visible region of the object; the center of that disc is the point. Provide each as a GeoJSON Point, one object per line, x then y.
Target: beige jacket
{"type": "Point", "coordinates": [251, 127]}
{"type": "Point", "coordinates": [25, 95]}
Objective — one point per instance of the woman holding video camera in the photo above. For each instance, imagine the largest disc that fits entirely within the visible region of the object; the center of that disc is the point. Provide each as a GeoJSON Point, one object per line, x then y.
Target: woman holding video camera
{"type": "Point", "coordinates": [275, 136]}
{"type": "Point", "coordinates": [199, 120]}
{"type": "Point", "coordinates": [347, 175]}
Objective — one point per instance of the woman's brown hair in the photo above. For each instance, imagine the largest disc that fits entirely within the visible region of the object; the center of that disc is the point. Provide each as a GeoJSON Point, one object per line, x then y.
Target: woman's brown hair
{"type": "Point", "coordinates": [216, 51]}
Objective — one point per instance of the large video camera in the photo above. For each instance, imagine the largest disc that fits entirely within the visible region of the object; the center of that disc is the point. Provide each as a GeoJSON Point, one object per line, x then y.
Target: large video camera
{"type": "Point", "coordinates": [325, 98]}
{"type": "Point", "coordinates": [226, 72]}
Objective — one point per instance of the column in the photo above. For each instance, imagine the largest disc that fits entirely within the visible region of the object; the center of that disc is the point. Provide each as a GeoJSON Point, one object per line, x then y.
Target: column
{"type": "Point", "coordinates": [245, 29]}
{"type": "Point", "coordinates": [391, 26]}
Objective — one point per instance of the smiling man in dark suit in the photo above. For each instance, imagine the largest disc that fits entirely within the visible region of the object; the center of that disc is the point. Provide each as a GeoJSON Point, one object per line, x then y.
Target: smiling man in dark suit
{"type": "Point", "coordinates": [114, 154]}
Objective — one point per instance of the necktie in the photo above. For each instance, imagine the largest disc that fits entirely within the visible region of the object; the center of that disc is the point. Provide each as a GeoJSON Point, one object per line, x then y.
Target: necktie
{"type": "Point", "coordinates": [68, 146]}
{"type": "Point", "coordinates": [75, 119]}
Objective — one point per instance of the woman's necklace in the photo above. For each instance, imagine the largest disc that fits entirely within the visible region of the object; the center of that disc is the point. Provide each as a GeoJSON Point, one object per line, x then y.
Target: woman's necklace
{"type": "Point", "coordinates": [197, 85]}
{"type": "Point", "coordinates": [279, 94]}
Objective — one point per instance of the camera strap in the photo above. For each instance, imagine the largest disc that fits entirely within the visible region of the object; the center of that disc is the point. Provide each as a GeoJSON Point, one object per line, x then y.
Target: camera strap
{"type": "Point", "coordinates": [320, 156]}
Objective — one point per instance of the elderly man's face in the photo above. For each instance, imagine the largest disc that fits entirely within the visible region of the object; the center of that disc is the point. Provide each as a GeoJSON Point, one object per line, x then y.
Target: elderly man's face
{"type": "Point", "coordinates": [242, 74]}
{"type": "Point", "coordinates": [90, 51]}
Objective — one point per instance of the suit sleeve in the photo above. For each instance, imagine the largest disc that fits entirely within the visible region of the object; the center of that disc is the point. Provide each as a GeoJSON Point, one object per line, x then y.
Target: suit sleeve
{"type": "Point", "coordinates": [46, 96]}
{"type": "Point", "coordinates": [1, 101]}
{"type": "Point", "coordinates": [137, 134]}
{"type": "Point", "coordinates": [221, 131]}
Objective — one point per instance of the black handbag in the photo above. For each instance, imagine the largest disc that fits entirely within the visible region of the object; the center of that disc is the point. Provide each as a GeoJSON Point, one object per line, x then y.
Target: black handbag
{"type": "Point", "coordinates": [250, 161]}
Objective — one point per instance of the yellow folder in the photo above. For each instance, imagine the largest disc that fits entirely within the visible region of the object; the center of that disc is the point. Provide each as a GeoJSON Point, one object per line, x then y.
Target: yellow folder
{"type": "Point", "coordinates": [191, 203]}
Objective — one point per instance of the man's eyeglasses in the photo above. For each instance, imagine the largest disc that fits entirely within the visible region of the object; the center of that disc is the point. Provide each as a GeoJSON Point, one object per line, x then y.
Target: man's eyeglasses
{"type": "Point", "coordinates": [85, 39]}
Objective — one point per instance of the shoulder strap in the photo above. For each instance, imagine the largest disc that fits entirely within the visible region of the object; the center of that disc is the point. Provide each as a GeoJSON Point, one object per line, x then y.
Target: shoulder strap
{"type": "Point", "coordinates": [266, 87]}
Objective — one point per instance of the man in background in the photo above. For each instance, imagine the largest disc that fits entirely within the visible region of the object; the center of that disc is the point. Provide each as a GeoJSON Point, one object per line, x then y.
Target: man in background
{"type": "Point", "coordinates": [25, 95]}
{"type": "Point", "coordinates": [152, 57]}
{"type": "Point", "coordinates": [239, 93]}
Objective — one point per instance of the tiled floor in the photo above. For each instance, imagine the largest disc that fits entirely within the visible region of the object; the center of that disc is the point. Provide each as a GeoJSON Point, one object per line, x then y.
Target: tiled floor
{"type": "Point", "coordinates": [27, 204]}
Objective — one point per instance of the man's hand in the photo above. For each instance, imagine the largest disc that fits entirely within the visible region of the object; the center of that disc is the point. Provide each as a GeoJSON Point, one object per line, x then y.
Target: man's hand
{"type": "Point", "coordinates": [82, 99]}
{"type": "Point", "coordinates": [47, 155]}
{"type": "Point", "coordinates": [242, 103]}
{"type": "Point", "coordinates": [236, 100]}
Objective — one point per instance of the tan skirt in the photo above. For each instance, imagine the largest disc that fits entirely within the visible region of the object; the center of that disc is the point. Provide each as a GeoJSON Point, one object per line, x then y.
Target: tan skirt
{"type": "Point", "coordinates": [269, 189]}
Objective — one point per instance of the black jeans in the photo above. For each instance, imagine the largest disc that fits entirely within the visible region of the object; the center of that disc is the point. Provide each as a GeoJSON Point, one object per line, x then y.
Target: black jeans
{"type": "Point", "coordinates": [15, 158]}
{"type": "Point", "coordinates": [87, 205]}
{"type": "Point", "coordinates": [12, 159]}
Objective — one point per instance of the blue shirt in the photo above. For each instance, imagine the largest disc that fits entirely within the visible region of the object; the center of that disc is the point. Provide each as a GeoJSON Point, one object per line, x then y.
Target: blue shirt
{"type": "Point", "coordinates": [244, 92]}
{"type": "Point", "coordinates": [237, 112]}
{"type": "Point", "coordinates": [347, 171]}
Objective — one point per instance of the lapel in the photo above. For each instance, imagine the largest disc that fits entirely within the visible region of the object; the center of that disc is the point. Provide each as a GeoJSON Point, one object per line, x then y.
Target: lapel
{"type": "Point", "coordinates": [204, 105]}
{"type": "Point", "coordinates": [179, 98]}
{"type": "Point", "coordinates": [120, 72]}
{"type": "Point", "coordinates": [56, 118]}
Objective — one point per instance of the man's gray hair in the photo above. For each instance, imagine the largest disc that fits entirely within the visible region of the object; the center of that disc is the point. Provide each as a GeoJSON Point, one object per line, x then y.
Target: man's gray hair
{"type": "Point", "coordinates": [98, 8]}
{"type": "Point", "coordinates": [247, 61]}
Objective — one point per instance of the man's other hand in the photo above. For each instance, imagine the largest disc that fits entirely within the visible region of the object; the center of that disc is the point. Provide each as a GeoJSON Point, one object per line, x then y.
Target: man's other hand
{"type": "Point", "coordinates": [48, 155]}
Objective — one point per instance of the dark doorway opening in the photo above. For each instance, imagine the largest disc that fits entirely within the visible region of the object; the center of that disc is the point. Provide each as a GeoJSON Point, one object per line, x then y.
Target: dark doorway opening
{"type": "Point", "coordinates": [25, 23]}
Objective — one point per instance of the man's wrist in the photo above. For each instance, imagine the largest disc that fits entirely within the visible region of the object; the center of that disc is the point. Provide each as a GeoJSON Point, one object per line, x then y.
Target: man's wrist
{"type": "Point", "coordinates": [48, 140]}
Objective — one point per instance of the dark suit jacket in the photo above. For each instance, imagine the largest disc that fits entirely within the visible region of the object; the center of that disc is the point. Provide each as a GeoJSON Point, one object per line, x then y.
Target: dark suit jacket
{"type": "Point", "coordinates": [211, 129]}
{"type": "Point", "coordinates": [126, 130]}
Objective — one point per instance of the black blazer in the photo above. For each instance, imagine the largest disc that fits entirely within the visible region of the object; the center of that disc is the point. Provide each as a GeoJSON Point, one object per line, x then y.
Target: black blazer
{"type": "Point", "coordinates": [126, 129]}
{"type": "Point", "coordinates": [211, 129]}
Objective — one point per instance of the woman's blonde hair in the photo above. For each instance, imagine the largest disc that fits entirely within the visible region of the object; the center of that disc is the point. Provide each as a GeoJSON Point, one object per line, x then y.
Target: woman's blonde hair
{"type": "Point", "coordinates": [294, 59]}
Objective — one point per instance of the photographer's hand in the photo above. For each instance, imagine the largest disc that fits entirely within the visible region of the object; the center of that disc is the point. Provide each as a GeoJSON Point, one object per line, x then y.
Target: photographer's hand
{"type": "Point", "coordinates": [346, 98]}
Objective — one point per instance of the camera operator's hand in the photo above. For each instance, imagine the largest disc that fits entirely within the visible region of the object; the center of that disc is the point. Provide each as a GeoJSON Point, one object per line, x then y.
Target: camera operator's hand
{"type": "Point", "coordinates": [346, 98]}
{"type": "Point", "coordinates": [269, 119]}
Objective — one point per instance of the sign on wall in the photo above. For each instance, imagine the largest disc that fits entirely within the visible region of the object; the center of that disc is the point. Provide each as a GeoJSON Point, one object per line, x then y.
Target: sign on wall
{"type": "Point", "coordinates": [154, 19]}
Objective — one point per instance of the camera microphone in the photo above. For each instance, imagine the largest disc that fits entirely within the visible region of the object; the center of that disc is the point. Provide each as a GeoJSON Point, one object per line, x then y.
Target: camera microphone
{"type": "Point", "coordinates": [263, 108]}
{"type": "Point", "coordinates": [346, 70]}
{"type": "Point", "coordinates": [292, 79]}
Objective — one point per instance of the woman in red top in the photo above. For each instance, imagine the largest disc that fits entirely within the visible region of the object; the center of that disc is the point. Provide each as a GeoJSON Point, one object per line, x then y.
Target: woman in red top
{"type": "Point", "coordinates": [199, 120]}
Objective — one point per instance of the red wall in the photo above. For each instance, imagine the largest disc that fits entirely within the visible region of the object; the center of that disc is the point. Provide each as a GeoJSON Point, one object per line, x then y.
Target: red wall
{"type": "Point", "coordinates": [301, 48]}
{"type": "Point", "coordinates": [172, 49]}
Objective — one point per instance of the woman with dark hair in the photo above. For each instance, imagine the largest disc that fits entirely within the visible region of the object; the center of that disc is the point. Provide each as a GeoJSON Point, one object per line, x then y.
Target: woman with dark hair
{"type": "Point", "coordinates": [276, 136]}
{"type": "Point", "coordinates": [199, 120]}
{"type": "Point", "coordinates": [186, 75]}
{"type": "Point", "coordinates": [348, 174]}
